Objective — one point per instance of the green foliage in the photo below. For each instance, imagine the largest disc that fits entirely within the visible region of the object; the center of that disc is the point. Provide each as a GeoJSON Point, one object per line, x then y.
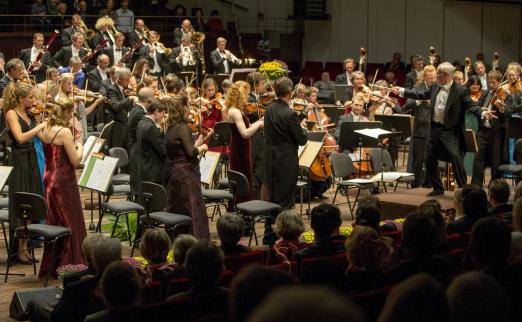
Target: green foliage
{"type": "Point", "coordinates": [121, 227]}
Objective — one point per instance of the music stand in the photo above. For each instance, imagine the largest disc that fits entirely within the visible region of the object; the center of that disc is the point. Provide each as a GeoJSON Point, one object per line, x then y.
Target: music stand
{"type": "Point", "coordinates": [350, 140]}
{"type": "Point", "coordinates": [396, 123]}
{"type": "Point", "coordinates": [341, 92]}
{"type": "Point", "coordinates": [316, 136]}
{"type": "Point", "coordinates": [333, 112]}
{"type": "Point", "coordinates": [221, 138]}
{"type": "Point", "coordinates": [240, 73]}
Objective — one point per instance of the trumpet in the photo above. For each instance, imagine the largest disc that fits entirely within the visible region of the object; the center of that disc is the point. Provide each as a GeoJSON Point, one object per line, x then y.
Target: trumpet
{"type": "Point", "coordinates": [162, 48]}
{"type": "Point", "coordinates": [233, 58]}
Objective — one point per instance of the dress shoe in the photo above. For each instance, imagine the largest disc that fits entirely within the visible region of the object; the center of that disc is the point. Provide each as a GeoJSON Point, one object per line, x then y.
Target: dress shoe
{"type": "Point", "coordinates": [24, 262]}
{"type": "Point", "coordinates": [434, 193]}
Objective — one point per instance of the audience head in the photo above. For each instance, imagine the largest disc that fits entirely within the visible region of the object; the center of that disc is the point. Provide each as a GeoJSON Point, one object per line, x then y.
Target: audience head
{"type": "Point", "coordinates": [474, 201]}
{"type": "Point", "coordinates": [431, 208]}
{"type": "Point", "coordinates": [230, 228]}
{"type": "Point", "coordinates": [457, 201]}
{"type": "Point", "coordinates": [368, 213]}
{"type": "Point", "coordinates": [490, 243]}
{"type": "Point", "coordinates": [498, 192]}
{"type": "Point", "coordinates": [252, 286]}
{"type": "Point", "coordinates": [466, 306]}
{"type": "Point", "coordinates": [305, 304]}
{"type": "Point", "coordinates": [419, 298]}
{"type": "Point", "coordinates": [105, 252]}
{"type": "Point", "coordinates": [365, 249]}
{"type": "Point", "coordinates": [325, 220]}
{"type": "Point", "coordinates": [182, 244]}
{"type": "Point", "coordinates": [88, 246]}
{"type": "Point", "coordinates": [120, 285]}
{"type": "Point", "coordinates": [204, 265]}
{"type": "Point", "coordinates": [419, 236]}
{"type": "Point", "coordinates": [289, 225]}
{"type": "Point", "coordinates": [155, 246]}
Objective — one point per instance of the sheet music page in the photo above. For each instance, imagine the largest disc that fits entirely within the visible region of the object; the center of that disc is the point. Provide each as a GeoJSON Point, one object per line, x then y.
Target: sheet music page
{"type": "Point", "coordinates": [87, 147]}
{"type": "Point", "coordinates": [359, 180]}
{"type": "Point", "coordinates": [205, 168]}
{"type": "Point", "coordinates": [102, 173]}
{"type": "Point", "coordinates": [4, 175]}
{"type": "Point", "coordinates": [390, 176]}
{"type": "Point", "coordinates": [373, 133]}
{"type": "Point", "coordinates": [300, 150]}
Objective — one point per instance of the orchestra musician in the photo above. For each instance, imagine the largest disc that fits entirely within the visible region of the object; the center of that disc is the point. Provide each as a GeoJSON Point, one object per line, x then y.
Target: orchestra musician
{"type": "Point", "coordinates": [358, 82]}
{"type": "Point", "coordinates": [14, 70]}
{"type": "Point", "coordinates": [173, 85]}
{"type": "Point", "coordinates": [63, 56]}
{"type": "Point", "coordinates": [491, 136]}
{"type": "Point", "coordinates": [97, 75]}
{"type": "Point", "coordinates": [120, 104]}
{"type": "Point", "coordinates": [416, 73]}
{"type": "Point", "coordinates": [29, 55]}
{"type": "Point", "coordinates": [480, 70]}
{"type": "Point", "coordinates": [185, 30]}
{"type": "Point", "coordinates": [355, 115]}
{"type": "Point", "coordinates": [241, 131]}
{"type": "Point", "coordinates": [222, 59]}
{"type": "Point", "coordinates": [420, 110]}
{"type": "Point", "coordinates": [183, 58]}
{"type": "Point", "coordinates": [211, 112]}
{"type": "Point", "coordinates": [104, 27]}
{"type": "Point", "coordinates": [138, 33]}
{"type": "Point", "coordinates": [140, 69]}
{"type": "Point", "coordinates": [75, 67]}
{"type": "Point", "coordinates": [155, 53]}
{"type": "Point", "coordinates": [68, 32]}
{"type": "Point", "coordinates": [514, 85]}
{"type": "Point", "coordinates": [346, 77]}
{"type": "Point", "coordinates": [283, 136]}
{"type": "Point", "coordinates": [448, 102]}
{"type": "Point", "coordinates": [380, 101]}
{"type": "Point", "coordinates": [117, 51]}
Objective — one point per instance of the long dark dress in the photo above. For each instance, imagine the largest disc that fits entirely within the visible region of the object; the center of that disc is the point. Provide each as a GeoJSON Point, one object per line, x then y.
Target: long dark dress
{"type": "Point", "coordinates": [183, 179]}
{"type": "Point", "coordinates": [240, 156]}
{"type": "Point", "coordinates": [64, 209]}
{"type": "Point", "coordinates": [25, 176]}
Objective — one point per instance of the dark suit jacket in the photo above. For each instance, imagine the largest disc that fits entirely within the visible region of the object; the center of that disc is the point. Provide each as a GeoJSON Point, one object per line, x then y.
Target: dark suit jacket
{"type": "Point", "coordinates": [176, 66]}
{"type": "Point", "coordinates": [161, 57]}
{"type": "Point", "coordinates": [410, 80]}
{"type": "Point", "coordinates": [77, 301]}
{"type": "Point", "coordinates": [62, 57]}
{"type": "Point", "coordinates": [25, 56]}
{"type": "Point", "coordinates": [457, 103]}
{"type": "Point", "coordinates": [421, 114]}
{"type": "Point", "coordinates": [109, 51]}
{"type": "Point", "coordinates": [341, 79]}
{"type": "Point", "coordinates": [151, 151]}
{"type": "Point", "coordinates": [342, 119]}
{"type": "Point", "coordinates": [133, 38]}
{"type": "Point", "coordinates": [95, 80]}
{"type": "Point", "coordinates": [3, 84]}
{"type": "Point", "coordinates": [219, 62]}
{"type": "Point", "coordinates": [119, 106]}
{"type": "Point", "coordinates": [67, 36]}
{"type": "Point", "coordinates": [99, 37]}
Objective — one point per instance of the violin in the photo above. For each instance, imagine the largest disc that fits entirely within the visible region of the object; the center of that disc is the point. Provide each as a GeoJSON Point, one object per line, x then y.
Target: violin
{"type": "Point", "coordinates": [475, 96]}
{"type": "Point", "coordinates": [267, 98]}
{"type": "Point", "coordinates": [38, 108]}
{"type": "Point", "coordinates": [251, 108]}
{"type": "Point", "coordinates": [218, 101]}
{"type": "Point", "coordinates": [299, 104]}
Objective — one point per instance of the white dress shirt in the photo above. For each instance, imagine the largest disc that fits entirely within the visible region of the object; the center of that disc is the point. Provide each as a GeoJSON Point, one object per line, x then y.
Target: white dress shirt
{"type": "Point", "coordinates": [225, 60]}
{"type": "Point", "coordinates": [440, 103]}
{"type": "Point", "coordinates": [103, 73]}
{"type": "Point", "coordinates": [156, 68]}
{"type": "Point", "coordinates": [117, 54]}
{"type": "Point", "coordinates": [75, 52]}
{"type": "Point", "coordinates": [483, 81]}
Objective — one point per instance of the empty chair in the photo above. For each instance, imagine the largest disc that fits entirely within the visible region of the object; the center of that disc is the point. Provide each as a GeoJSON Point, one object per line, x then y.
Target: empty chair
{"type": "Point", "coordinates": [123, 162]}
{"type": "Point", "coordinates": [514, 170]}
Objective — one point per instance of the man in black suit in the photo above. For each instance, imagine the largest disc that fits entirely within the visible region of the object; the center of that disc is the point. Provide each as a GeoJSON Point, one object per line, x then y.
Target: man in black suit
{"type": "Point", "coordinates": [28, 56]}
{"type": "Point", "coordinates": [448, 102]}
{"type": "Point", "coordinates": [492, 138]}
{"type": "Point", "coordinates": [184, 30]}
{"type": "Point", "coordinates": [137, 33]}
{"type": "Point", "coordinates": [421, 111]}
{"type": "Point", "coordinates": [151, 153]}
{"type": "Point", "coordinates": [145, 96]}
{"type": "Point", "coordinates": [345, 78]}
{"type": "Point", "coordinates": [63, 56]}
{"type": "Point", "coordinates": [97, 75]}
{"type": "Point", "coordinates": [117, 51]}
{"type": "Point", "coordinates": [14, 70]}
{"type": "Point", "coordinates": [416, 73]}
{"type": "Point", "coordinates": [222, 59]}
{"type": "Point", "coordinates": [356, 115]}
{"type": "Point", "coordinates": [155, 54]}
{"type": "Point", "coordinates": [67, 33]}
{"type": "Point", "coordinates": [183, 58]}
{"type": "Point", "coordinates": [119, 107]}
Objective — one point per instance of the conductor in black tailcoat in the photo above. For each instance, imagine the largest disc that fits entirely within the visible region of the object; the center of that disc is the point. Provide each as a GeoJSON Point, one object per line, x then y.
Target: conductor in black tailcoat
{"type": "Point", "coordinates": [448, 102]}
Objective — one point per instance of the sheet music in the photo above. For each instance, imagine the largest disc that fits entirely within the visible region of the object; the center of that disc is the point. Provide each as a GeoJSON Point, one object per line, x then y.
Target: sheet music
{"type": "Point", "coordinates": [98, 173]}
{"type": "Point", "coordinates": [390, 176]}
{"type": "Point", "coordinates": [4, 175]}
{"type": "Point", "coordinates": [205, 168]}
{"type": "Point", "coordinates": [92, 145]}
{"type": "Point", "coordinates": [373, 133]}
{"type": "Point", "coordinates": [300, 150]}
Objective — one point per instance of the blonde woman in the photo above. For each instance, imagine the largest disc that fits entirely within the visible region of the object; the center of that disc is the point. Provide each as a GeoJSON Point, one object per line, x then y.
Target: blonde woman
{"type": "Point", "coordinates": [104, 26]}
{"type": "Point", "coordinates": [25, 177]}
{"type": "Point", "coordinates": [240, 131]}
{"type": "Point", "coordinates": [63, 153]}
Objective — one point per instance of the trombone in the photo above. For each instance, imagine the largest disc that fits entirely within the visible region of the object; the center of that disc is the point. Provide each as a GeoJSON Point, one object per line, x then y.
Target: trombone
{"type": "Point", "coordinates": [87, 33]}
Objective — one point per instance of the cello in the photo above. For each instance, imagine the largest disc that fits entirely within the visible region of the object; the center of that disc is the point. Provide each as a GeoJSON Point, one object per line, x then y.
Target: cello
{"type": "Point", "coordinates": [321, 168]}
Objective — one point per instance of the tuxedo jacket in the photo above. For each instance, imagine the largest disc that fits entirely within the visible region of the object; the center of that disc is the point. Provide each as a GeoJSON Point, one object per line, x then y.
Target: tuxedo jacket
{"type": "Point", "coordinates": [411, 79]}
{"type": "Point", "coordinates": [99, 37]}
{"type": "Point", "coordinates": [109, 51]}
{"type": "Point", "coordinates": [67, 36]}
{"type": "Point", "coordinates": [134, 37]}
{"type": "Point", "coordinates": [421, 114]}
{"type": "Point", "coordinates": [119, 106]}
{"type": "Point", "coordinates": [95, 80]}
{"type": "Point", "coordinates": [62, 57]}
{"type": "Point", "coordinates": [25, 56]}
{"type": "Point", "coordinates": [341, 79]}
{"type": "Point", "coordinates": [219, 62]}
{"type": "Point", "coordinates": [151, 152]}
{"type": "Point", "coordinates": [161, 57]}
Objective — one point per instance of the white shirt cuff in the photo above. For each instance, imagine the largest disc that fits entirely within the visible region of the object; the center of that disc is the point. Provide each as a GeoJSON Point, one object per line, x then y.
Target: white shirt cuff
{"type": "Point", "coordinates": [401, 92]}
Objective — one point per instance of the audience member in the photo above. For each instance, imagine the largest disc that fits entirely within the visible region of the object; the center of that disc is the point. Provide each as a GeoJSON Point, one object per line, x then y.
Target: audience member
{"type": "Point", "coordinates": [498, 193]}
{"type": "Point", "coordinates": [182, 244]}
{"type": "Point", "coordinates": [419, 298]}
{"type": "Point", "coordinates": [516, 235]}
{"type": "Point", "coordinates": [467, 306]}
{"type": "Point", "coordinates": [87, 247]}
{"type": "Point", "coordinates": [431, 208]}
{"type": "Point", "coordinates": [305, 304]}
{"type": "Point", "coordinates": [368, 255]}
{"type": "Point", "coordinates": [154, 247]}
{"type": "Point", "coordinates": [288, 226]}
{"type": "Point", "coordinates": [474, 207]}
{"type": "Point", "coordinates": [326, 88]}
{"type": "Point", "coordinates": [368, 213]}
{"type": "Point", "coordinates": [120, 287]}
{"type": "Point", "coordinates": [252, 287]}
{"type": "Point", "coordinates": [107, 10]}
{"type": "Point", "coordinates": [214, 23]}
{"type": "Point", "coordinates": [124, 18]}
{"type": "Point", "coordinates": [325, 220]}
{"type": "Point", "coordinates": [230, 228]}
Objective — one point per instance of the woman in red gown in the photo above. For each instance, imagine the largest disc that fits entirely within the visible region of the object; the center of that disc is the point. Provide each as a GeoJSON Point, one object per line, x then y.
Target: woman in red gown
{"type": "Point", "coordinates": [240, 131]}
{"type": "Point", "coordinates": [63, 153]}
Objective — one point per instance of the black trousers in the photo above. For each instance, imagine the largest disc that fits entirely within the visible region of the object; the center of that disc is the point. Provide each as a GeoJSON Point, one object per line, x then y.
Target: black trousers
{"type": "Point", "coordinates": [443, 144]}
{"type": "Point", "coordinates": [418, 151]}
{"type": "Point", "coordinates": [490, 147]}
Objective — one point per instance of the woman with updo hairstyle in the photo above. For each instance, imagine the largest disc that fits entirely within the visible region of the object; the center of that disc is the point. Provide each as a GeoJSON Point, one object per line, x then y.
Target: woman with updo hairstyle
{"type": "Point", "coordinates": [141, 67]}
{"type": "Point", "coordinates": [63, 153]}
{"type": "Point", "coordinates": [25, 176]}
{"type": "Point", "coordinates": [173, 84]}
{"type": "Point", "coordinates": [182, 176]}
{"type": "Point", "coordinates": [240, 132]}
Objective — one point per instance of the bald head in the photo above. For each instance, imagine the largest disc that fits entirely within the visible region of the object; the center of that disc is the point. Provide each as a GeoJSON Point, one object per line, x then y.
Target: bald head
{"type": "Point", "coordinates": [145, 95]}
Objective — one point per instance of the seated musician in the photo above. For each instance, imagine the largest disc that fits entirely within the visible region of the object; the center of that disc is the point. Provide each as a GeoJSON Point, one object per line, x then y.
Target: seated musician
{"type": "Point", "coordinates": [173, 84]}
{"type": "Point", "coordinates": [381, 103]}
{"type": "Point", "coordinates": [225, 85]}
{"type": "Point", "coordinates": [183, 57]}
{"type": "Point", "coordinates": [358, 81]}
{"type": "Point", "coordinates": [117, 51]}
{"type": "Point", "coordinates": [356, 115]}
{"type": "Point", "coordinates": [149, 81]}
{"type": "Point", "coordinates": [141, 68]}
{"type": "Point", "coordinates": [75, 68]}
{"type": "Point", "coordinates": [104, 26]}
{"type": "Point", "coordinates": [298, 102]}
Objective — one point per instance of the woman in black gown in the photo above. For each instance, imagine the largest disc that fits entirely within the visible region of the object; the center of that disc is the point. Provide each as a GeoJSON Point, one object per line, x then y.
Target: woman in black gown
{"type": "Point", "coordinates": [182, 177]}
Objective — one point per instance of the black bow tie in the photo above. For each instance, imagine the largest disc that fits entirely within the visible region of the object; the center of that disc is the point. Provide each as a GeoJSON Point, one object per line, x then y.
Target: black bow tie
{"type": "Point", "coordinates": [118, 49]}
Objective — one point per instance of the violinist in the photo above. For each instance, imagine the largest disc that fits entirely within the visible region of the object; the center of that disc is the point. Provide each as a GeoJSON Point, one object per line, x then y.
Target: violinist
{"type": "Point", "coordinates": [120, 104]}
{"type": "Point", "coordinates": [380, 102]}
{"type": "Point", "coordinates": [140, 69]}
{"type": "Point", "coordinates": [241, 132]}
{"type": "Point", "coordinates": [257, 88]}
{"type": "Point", "coordinates": [358, 80]}
{"type": "Point", "coordinates": [225, 85]}
{"type": "Point", "coordinates": [514, 85]}
{"type": "Point", "coordinates": [173, 84]}
{"type": "Point", "coordinates": [492, 137]}
{"type": "Point", "coordinates": [75, 68]}
{"type": "Point", "coordinates": [29, 55]}
{"type": "Point", "coordinates": [149, 81]}
{"type": "Point", "coordinates": [212, 111]}
{"type": "Point", "coordinates": [298, 102]}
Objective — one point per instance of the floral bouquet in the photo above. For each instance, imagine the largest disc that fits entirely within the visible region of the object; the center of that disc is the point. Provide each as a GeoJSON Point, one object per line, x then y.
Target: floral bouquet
{"type": "Point", "coordinates": [274, 69]}
{"type": "Point", "coordinates": [142, 262]}
{"type": "Point", "coordinates": [68, 269]}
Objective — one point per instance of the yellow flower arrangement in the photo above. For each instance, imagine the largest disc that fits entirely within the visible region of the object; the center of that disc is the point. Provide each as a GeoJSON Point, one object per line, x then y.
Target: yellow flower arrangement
{"type": "Point", "coordinates": [144, 263]}
{"type": "Point", "coordinates": [274, 69]}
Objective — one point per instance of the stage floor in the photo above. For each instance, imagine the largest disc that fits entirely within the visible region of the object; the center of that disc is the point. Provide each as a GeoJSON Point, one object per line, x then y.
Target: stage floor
{"type": "Point", "coordinates": [403, 202]}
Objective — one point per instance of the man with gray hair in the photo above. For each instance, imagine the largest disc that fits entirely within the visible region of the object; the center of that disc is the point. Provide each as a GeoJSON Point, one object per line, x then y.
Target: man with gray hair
{"type": "Point", "coordinates": [13, 71]}
{"type": "Point", "coordinates": [119, 105]}
{"type": "Point", "coordinates": [448, 103]}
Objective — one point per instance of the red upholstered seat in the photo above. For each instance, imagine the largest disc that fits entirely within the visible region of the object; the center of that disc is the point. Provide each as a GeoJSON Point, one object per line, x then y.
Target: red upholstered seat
{"type": "Point", "coordinates": [237, 262]}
